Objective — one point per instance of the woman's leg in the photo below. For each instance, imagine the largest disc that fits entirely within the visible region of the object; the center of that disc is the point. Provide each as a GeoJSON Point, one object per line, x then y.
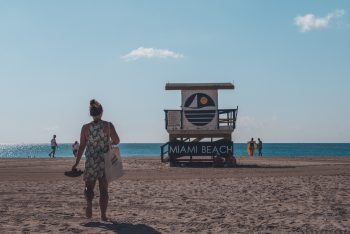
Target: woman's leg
{"type": "Point", "coordinates": [89, 195]}
{"type": "Point", "coordinates": [103, 185]}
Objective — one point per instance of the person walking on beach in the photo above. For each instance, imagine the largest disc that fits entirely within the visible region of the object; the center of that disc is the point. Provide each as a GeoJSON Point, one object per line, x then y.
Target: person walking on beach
{"type": "Point", "coordinates": [53, 146]}
{"type": "Point", "coordinates": [252, 145]}
{"type": "Point", "coordinates": [75, 148]}
{"type": "Point", "coordinates": [260, 146]}
{"type": "Point", "coordinates": [96, 137]}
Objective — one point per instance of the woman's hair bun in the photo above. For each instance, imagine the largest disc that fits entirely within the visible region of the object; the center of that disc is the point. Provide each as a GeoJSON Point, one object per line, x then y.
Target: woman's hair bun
{"type": "Point", "coordinates": [95, 108]}
{"type": "Point", "coordinates": [92, 102]}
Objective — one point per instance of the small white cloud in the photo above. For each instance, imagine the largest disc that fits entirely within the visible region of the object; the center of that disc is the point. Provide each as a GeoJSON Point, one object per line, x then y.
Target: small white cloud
{"type": "Point", "coordinates": [310, 22]}
{"type": "Point", "coordinates": [142, 52]}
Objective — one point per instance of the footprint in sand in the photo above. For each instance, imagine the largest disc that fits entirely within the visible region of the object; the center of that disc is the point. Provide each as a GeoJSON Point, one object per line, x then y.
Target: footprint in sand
{"type": "Point", "coordinates": [181, 215]}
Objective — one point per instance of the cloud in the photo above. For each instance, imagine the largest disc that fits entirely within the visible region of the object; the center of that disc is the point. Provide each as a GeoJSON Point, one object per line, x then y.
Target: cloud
{"type": "Point", "coordinates": [310, 22]}
{"type": "Point", "coordinates": [142, 52]}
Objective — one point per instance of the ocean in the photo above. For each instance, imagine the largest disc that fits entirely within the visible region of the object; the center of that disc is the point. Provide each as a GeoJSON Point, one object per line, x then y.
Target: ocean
{"type": "Point", "coordinates": [153, 149]}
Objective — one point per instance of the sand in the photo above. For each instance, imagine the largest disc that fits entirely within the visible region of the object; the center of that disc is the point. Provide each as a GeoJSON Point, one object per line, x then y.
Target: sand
{"type": "Point", "coordinates": [268, 195]}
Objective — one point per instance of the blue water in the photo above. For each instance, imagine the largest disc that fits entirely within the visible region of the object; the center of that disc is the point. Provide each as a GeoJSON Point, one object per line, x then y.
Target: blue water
{"type": "Point", "coordinates": [138, 149]}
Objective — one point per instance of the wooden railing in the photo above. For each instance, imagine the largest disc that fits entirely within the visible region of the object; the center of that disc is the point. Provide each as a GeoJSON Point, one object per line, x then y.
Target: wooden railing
{"type": "Point", "coordinates": [226, 118]}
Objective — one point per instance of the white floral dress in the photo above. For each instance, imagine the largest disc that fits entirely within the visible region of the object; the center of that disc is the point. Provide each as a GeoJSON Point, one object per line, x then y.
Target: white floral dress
{"type": "Point", "coordinates": [97, 145]}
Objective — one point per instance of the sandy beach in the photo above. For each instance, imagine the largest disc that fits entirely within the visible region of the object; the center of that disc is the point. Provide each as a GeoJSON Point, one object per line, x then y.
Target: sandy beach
{"type": "Point", "coordinates": [268, 195]}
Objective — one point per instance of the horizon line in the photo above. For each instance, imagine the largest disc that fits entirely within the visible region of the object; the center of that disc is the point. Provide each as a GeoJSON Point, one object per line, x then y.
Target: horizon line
{"type": "Point", "coordinates": [65, 143]}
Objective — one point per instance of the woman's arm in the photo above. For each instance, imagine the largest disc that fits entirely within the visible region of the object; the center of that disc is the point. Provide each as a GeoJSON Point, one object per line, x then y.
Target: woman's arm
{"type": "Point", "coordinates": [81, 147]}
{"type": "Point", "coordinates": [114, 135]}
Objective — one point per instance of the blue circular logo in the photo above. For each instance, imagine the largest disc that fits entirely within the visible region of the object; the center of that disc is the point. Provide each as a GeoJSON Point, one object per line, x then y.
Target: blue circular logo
{"type": "Point", "coordinates": [195, 111]}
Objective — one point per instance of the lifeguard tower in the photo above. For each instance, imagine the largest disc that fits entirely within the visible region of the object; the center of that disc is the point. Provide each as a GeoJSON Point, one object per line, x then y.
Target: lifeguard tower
{"type": "Point", "coordinates": [200, 131]}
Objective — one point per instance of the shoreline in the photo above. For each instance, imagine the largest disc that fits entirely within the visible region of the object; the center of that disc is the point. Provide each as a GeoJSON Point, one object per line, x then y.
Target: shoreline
{"type": "Point", "coordinates": [275, 194]}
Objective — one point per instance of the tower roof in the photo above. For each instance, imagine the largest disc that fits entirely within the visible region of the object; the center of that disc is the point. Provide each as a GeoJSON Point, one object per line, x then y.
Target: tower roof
{"type": "Point", "coordinates": [198, 86]}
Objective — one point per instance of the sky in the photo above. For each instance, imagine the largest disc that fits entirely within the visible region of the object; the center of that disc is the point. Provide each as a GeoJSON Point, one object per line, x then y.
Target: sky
{"type": "Point", "coordinates": [289, 62]}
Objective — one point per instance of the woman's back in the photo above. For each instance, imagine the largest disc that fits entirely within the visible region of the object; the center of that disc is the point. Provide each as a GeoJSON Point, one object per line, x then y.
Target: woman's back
{"type": "Point", "coordinates": [97, 139]}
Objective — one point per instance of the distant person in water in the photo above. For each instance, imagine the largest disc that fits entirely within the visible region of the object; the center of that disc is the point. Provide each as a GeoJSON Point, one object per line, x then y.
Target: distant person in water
{"type": "Point", "coordinates": [75, 148]}
{"type": "Point", "coordinates": [53, 146]}
{"type": "Point", "coordinates": [96, 137]}
{"type": "Point", "coordinates": [260, 146]}
{"type": "Point", "coordinates": [252, 144]}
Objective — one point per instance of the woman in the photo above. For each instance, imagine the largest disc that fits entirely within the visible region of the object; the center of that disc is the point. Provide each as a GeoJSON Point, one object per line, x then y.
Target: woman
{"type": "Point", "coordinates": [96, 137]}
{"type": "Point", "coordinates": [252, 146]}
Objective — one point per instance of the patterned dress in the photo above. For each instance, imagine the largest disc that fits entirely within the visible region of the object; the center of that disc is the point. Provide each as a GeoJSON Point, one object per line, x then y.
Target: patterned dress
{"type": "Point", "coordinates": [97, 144]}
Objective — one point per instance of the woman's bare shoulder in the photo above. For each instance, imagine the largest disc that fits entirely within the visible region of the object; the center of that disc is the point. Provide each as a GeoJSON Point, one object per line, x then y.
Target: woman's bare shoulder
{"type": "Point", "coordinates": [85, 126]}
{"type": "Point", "coordinates": [106, 123]}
